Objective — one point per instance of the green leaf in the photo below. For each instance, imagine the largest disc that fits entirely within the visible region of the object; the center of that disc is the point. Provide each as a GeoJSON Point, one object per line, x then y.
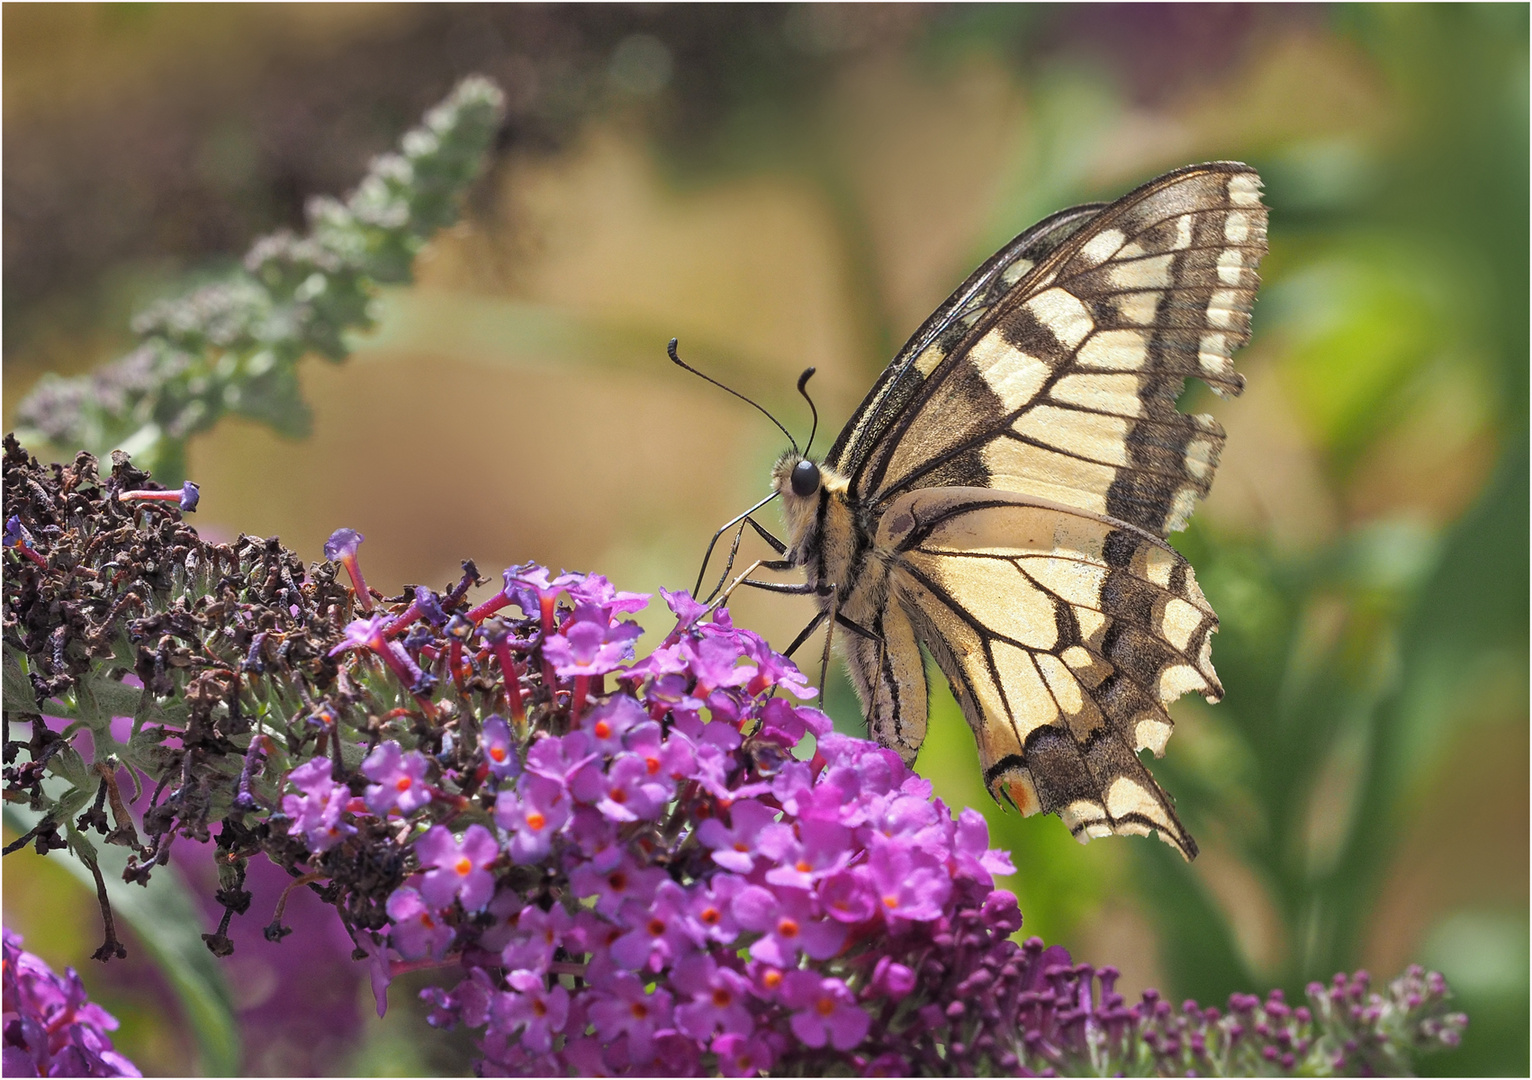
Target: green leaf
{"type": "Point", "coordinates": [167, 922]}
{"type": "Point", "coordinates": [19, 696]}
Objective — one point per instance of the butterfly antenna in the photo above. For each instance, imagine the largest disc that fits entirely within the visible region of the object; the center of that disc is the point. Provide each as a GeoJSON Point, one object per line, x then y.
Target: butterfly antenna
{"type": "Point", "coordinates": [803, 381]}
{"type": "Point", "coordinates": [671, 349]}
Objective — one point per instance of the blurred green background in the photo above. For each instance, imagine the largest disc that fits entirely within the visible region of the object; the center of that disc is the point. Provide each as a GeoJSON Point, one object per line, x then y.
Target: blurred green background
{"type": "Point", "coordinates": [782, 186]}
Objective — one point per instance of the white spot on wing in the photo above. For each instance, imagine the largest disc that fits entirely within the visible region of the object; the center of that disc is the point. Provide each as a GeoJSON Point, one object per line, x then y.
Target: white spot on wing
{"type": "Point", "coordinates": [1013, 273]}
{"type": "Point", "coordinates": [1199, 459]}
{"type": "Point", "coordinates": [1012, 374]}
{"type": "Point", "coordinates": [1127, 796]}
{"type": "Point", "coordinates": [1181, 507]}
{"type": "Point", "coordinates": [1236, 227]}
{"type": "Point", "coordinates": [1245, 190]}
{"type": "Point", "coordinates": [1181, 621]}
{"type": "Point", "coordinates": [1151, 733]}
{"type": "Point", "coordinates": [1177, 680]}
{"type": "Point", "coordinates": [1062, 313]}
{"type": "Point", "coordinates": [1138, 307]}
{"type": "Point", "coordinates": [1231, 266]}
{"type": "Point", "coordinates": [929, 357]}
{"type": "Point", "coordinates": [1222, 308]}
{"type": "Point", "coordinates": [1102, 246]}
{"type": "Point", "coordinates": [1183, 233]}
{"type": "Point", "coordinates": [1117, 394]}
{"type": "Point", "coordinates": [1115, 350]}
{"type": "Point", "coordinates": [1158, 565]}
{"type": "Point", "coordinates": [1152, 273]}
{"type": "Point", "coordinates": [1213, 355]}
{"type": "Point", "coordinates": [1077, 657]}
{"type": "Point", "coordinates": [1090, 621]}
{"type": "Point", "coordinates": [1081, 811]}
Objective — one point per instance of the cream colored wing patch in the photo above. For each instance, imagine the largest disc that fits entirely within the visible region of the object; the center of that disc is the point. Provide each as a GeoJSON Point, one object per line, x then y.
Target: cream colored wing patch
{"type": "Point", "coordinates": [1064, 635]}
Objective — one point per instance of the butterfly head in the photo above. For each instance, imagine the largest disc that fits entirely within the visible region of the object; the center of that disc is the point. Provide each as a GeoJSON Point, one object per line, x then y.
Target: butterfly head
{"type": "Point", "coordinates": [804, 479]}
{"type": "Point", "coordinates": [796, 479]}
{"type": "Point", "coordinates": [813, 498]}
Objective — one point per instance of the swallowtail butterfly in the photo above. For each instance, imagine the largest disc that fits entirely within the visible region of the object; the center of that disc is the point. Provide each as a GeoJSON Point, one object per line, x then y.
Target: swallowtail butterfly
{"type": "Point", "coordinates": [1003, 494]}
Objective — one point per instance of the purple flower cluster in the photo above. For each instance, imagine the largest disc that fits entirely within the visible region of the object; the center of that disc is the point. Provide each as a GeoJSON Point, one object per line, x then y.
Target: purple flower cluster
{"type": "Point", "coordinates": [1074, 1016]}
{"type": "Point", "coordinates": [51, 1028]}
{"type": "Point", "coordinates": [651, 879]}
{"type": "Point", "coordinates": [689, 874]}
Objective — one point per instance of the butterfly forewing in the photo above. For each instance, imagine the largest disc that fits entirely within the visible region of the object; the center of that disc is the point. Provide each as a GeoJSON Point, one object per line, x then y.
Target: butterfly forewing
{"type": "Point", "coordinates": [946, 328]}
{"type": "Point", "coordinates": [1066, 388]}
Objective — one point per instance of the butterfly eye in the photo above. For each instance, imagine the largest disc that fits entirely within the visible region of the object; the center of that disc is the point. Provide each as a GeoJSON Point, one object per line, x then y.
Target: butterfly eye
{"type": "Point", "coordinates": [805, 478]}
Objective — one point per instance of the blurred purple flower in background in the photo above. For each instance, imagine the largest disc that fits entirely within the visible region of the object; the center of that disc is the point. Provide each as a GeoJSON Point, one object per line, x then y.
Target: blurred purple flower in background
{"type": "Point", "coordinates": [51, 1027]}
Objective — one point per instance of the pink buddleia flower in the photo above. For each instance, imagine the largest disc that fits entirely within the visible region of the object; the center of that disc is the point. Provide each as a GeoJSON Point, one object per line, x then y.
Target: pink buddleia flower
{"type": "Point", "coordinates": [824, 1010]}
{"type": "Point", "coordinates": [457, 868]}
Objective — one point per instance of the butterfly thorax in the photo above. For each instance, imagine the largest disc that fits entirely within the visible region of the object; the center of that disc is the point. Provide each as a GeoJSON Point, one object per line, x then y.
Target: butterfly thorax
{"type": "Point", "coordinates": [827, 532]}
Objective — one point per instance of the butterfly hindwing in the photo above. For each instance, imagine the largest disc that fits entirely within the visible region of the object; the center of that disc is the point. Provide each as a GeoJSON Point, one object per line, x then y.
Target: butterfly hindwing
{"type": "Point", "coordinates": [888, 672]}
{"type": "Point", "coordinates": [1066, 388]}
{"type": "Point", "coordinates": [1064, 636]}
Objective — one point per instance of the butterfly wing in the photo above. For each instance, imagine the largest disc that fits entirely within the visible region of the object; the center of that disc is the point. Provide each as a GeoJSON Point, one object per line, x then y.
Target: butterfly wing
{"type": "Point", "coordinates": [1065, 387]}
{"type": "Point", "coordinates": [944, 330]}
{"type": "Point", "coordinates": [1021, 461]}
{"type": "Point", "coordinates": [1064, 635]}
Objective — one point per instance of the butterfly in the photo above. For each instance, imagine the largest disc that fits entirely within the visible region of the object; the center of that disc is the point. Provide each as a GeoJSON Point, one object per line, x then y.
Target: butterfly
{"type": "Point", "coordinates": [1003, 494]}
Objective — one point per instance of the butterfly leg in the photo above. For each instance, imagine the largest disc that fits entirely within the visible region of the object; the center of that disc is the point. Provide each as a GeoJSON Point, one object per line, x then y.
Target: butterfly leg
{"type": "Point", "coordinates": [766, 564]}
{"type": "Point", "coordinates": [766, 534]}
{"type": "Point", "coordinates": [824, 658]}
{"type": "Point", "coordinates": [795, 588]}
{"type": "Point", "coordinates": [770, 564]}
{"type": "Point", "coordinates": [807, 631]}
{"type": "Point", "coordinates": [708, 554]}
{"type": "Point", "coordinates": [803, 635]}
